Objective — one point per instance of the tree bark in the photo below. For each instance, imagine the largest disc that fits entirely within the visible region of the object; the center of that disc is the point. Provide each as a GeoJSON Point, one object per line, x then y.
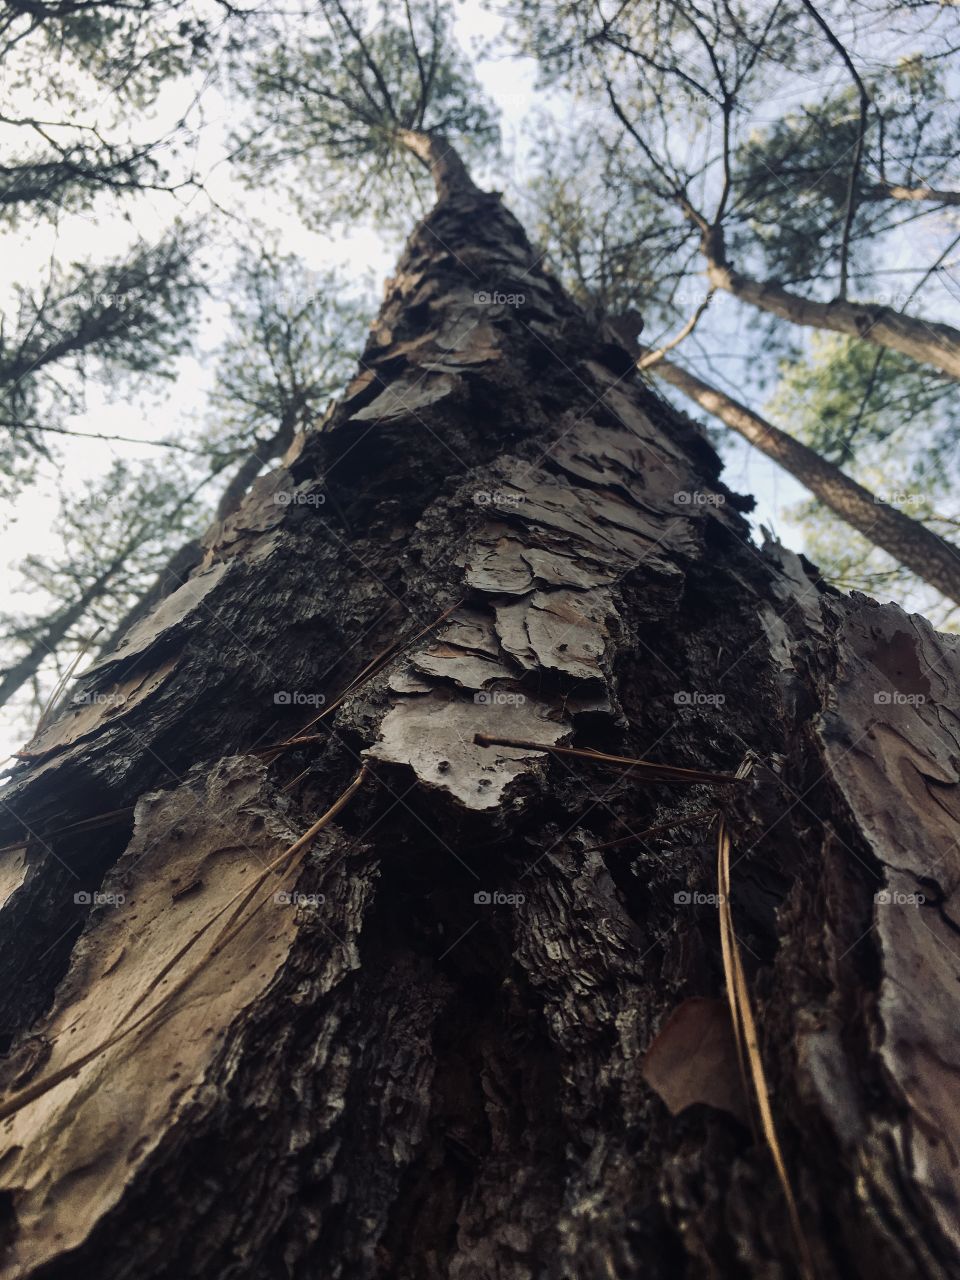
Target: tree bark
{"type": "Point", "coordinates": [926, 341]}
{"type": "Point", "coordinates": [910, 542]}
{"type": "Point", "coordinates": [394, 1077]}
{"type": "Point", "coordinates": [188, 555]}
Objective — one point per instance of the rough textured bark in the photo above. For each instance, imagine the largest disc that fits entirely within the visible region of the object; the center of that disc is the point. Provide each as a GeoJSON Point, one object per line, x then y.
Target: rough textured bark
{"type": "Point", "coordinates": [188, 555]}
{"type": "Point", "coordinates": [392, 1079]}
{"type": "Point", "coordinates": [909, 541]}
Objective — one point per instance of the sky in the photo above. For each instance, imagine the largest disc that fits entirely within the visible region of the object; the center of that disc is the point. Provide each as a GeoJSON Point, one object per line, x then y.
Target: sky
{"type": "Point", "coordinates": [31, 521]}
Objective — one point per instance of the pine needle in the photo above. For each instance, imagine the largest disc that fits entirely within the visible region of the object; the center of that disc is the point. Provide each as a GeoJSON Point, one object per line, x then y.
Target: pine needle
{"type": "Point", "coordinates": [373, 668]}
{"type": "Point", "coordinates": [647, 769]}
{"type": "Point", "coordinates": [746, 1038]}
{"type": "Point", "coordinates": [62, 684]}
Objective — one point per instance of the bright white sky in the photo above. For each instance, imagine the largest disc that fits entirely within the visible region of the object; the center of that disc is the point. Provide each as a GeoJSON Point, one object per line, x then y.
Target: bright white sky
{"type": "Point", "coordinates": [30, 524]}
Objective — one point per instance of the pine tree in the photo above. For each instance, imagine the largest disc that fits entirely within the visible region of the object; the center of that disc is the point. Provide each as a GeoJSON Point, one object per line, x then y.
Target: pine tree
{"type": "Point", "coordinates": [345, 939]}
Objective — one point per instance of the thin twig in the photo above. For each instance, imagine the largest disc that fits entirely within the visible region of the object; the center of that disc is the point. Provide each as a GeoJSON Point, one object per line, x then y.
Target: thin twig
{"type": "Point", "coordinates": [858, 148]}
{"type": "Point", "coordinates": [652, 357]}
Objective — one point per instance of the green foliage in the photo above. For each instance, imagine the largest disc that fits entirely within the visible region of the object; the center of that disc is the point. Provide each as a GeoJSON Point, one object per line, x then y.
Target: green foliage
{"type": "Point", "coordinates": [107, 321]}
{"type": "Point", "coordinates": [892, 428]}
{"type": "Point", "coordinates": [857, 405]}
{"type": "Point", "coordinates": [346, 89]}
{"type": "Point", "coordinates": [128, 51]}
{"type": "Point", "coordinates": [608, 241]}
{"type": "Point", "coordinates": [793, 177]}
{"type": "Point", "coordinates": [295, 338]}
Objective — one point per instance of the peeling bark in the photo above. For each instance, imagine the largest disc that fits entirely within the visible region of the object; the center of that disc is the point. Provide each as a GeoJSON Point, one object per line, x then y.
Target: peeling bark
{"type": "Point", "coordinates": [431, 1063]}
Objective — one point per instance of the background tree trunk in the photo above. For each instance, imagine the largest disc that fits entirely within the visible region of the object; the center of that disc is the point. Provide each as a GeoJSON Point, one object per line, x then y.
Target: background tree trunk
{"type": "Point", "coordinates": [909, 541]}
{"type": "Point", "coordinates": [391, 1078]}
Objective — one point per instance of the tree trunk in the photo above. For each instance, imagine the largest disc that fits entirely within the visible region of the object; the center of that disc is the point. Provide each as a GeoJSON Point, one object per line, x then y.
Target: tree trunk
{"type": "Point", "coordinates": [54, 633]}
{"type": "Point", "coordinates": [431, 1064]}
{"type": "Point", "coordinates": [927, 341]}
{"type": "Point", "coordinates": [910, 542]}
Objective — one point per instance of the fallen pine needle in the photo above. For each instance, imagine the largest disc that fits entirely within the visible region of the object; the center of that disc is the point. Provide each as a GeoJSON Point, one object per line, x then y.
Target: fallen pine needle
{"type": "Point", "coordinates": [64, 679]}
{"type": "Point", "coordinates": [745, 1035]}
{"type": "Point", "coordinates": [84, 824]}
{"type": "Point", "coordinates": [373, 668]}
{"type": "Point", "coordinates": [702, 815]}
{"type": "Point", "coordinates": [287, 861]}
{"type": "Point", "coordinates": [647, 768]}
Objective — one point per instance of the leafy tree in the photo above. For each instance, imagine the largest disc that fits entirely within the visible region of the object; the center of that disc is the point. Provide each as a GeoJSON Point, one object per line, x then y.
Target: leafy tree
{"type": "Point", "coordinates": [610, 265]}
{"type": "Point", "coordinates": [112, 538]}
{"type": "Point", "coordinates": [683, 85]}
{"type": "Point", "coordinates": [381, 95]}
{"type": "Point", "coordinates": [678, 176]}
{"type": "Point", "coordinates": [293, 341]}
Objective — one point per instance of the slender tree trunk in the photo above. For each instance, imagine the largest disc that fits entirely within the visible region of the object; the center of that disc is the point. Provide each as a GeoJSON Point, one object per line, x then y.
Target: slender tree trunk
{"type": "Point", "coordinates": [927, 341]}
{"type": "Point", "coordinates": [910, 542]}
{"type": "Point", "coordinates": [431, 1064]}
{"type": "Point", "coordinates": [53, 634]}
